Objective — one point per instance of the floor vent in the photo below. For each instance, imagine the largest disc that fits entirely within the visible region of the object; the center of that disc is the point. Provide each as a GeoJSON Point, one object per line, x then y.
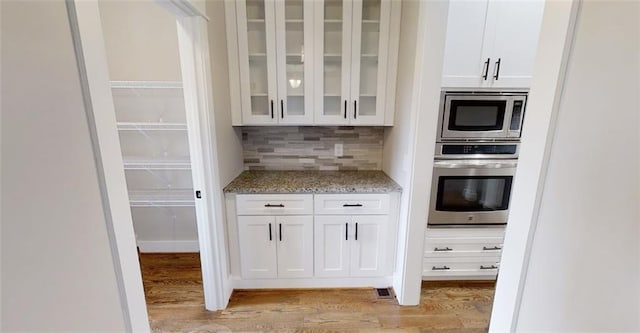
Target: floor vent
{"type": "Point", "coordinates": [384, 293]}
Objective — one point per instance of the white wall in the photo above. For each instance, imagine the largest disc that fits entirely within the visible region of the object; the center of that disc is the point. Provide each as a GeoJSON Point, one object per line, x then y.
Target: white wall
{"type": "Point", "coordinates": [141, 41]}
{"type": "Point", "coordinates": [57, 268]}
{"type": "Point", "coordinates": [584, 269]}
{"type": "Point", "coordinates": [409, 145]}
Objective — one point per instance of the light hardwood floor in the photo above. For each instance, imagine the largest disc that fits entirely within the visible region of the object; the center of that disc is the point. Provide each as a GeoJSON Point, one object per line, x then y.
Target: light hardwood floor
{"type": "Point", "coordinates": [173, 289]}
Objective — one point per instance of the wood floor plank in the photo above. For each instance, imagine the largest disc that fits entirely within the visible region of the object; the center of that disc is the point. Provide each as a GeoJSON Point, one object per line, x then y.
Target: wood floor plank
{"type": "Point", "coordinates": [175, 302]}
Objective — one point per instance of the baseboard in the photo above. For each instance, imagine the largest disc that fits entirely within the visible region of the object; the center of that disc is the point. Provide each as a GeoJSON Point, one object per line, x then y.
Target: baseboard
{"type": "Point", "coordinates": [168, 246]}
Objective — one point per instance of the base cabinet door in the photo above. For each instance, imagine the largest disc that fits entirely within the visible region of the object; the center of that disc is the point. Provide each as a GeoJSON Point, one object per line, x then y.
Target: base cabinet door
{"type": "Point", "coordinates": [369, 248]}
{"type": "Point", "coordinates": [257, 247]}
{"type": "Point", "coordinates": [295, 246]}
{"type": "Point", "coordinates": [331, 246]}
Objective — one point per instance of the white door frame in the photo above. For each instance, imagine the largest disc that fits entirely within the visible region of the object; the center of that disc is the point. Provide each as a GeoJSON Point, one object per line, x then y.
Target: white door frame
{"type": "Point", "coordinates": [86, 29]}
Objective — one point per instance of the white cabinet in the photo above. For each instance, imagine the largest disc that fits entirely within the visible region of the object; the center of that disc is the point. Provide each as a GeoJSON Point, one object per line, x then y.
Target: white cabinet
{"type": "Point", "coordinates": [274, 242]}
{"type": "Point", "coordinates": [491, 44]}
{"type": "Point", "coordinates": [275, 81]}
{"type": "Point", "coordinates": [462, 253]}
{"type": "Point", "coordinates": [276, 246]}
{"type": "Point", "coordinates": [357, 52]}
{"type": "Point", "coordinates": [351, 246]}
{"type": "Point", "coordinates": [352, 235]}
{"type": "Point", "coordinates": [288, 58]}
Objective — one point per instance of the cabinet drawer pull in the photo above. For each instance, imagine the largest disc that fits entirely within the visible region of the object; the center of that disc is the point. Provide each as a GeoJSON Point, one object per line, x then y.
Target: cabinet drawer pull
{"type": "Point", "coordinates": [437, 249]}
{"type": "Point", "coordinates": [282, 108]}
{"type": "Point", "coordinates": [443, 268]}
{"type": "Point", "coordinates": [486, 69]}
{"type": "Point", "coordinates": [495, 248]}
{"type": "Point", "coordinates": [271, 206]}
{"type": "Point", "coordinates": [280, 231]}
{"type": "Point", "coordinates": [352, 205]}
{"type": "Point", "coordinates": [488, 267]}
{"type": "Point", "coordinates": [270, 235]}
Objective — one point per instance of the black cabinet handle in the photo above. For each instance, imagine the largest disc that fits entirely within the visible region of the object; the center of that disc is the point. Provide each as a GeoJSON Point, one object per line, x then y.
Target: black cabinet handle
{"type": "Point", "coordinates": [280, 231]}
{"type": "Point", "coordinates": [497, 69]}
{"type": "Point", "coordinates": [271, 109]}
{"type": "Point", "coordinates": [345, 109]}
{"type": "Point", "coordinates": [270, 235]}
{"type": "Point", "coordinates": [282, 108]}
{"type": "Point", "coordinates": [198, 195]}
{"type": "Point", "coordinates": [495, 248]}
{"type": "Point", "coordinates": [356, 230]}
{"type": "Point", "coordinates": [346, 231]}
{"type": "Point", "coordinates": [355, 109]}
{"type": "Point", "coordinates": [271, 206]}
{"type": "Point", "coordinates": [437, 249]}
{"type": "Point", "coordinates": [488, 267]}
{"type": "Point", "coordinates": [486, 69]}
{"type": "Point", "coordinates": [352, 205]}
{"type": "Point", "coordinates": [443, 268]}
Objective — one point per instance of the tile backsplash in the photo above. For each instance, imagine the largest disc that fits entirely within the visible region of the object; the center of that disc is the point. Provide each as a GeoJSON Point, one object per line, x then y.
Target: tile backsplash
{"type": "Point", "coordinates": [312, 148]}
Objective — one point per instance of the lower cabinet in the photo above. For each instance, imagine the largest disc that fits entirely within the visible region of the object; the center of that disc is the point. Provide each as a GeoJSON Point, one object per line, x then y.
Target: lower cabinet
{"type": "Point", "coordinates": [462, 253]}
{"type": "Point", "coordinates": [351, 246]}
{"type": "Point", "coordinates": [276, 246]}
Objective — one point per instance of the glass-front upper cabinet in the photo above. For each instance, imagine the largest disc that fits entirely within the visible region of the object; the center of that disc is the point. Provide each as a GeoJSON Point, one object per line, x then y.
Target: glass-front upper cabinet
{"type": "Point", "coordinates": [275, 72]}
{"type": "Point", "coordinates": [312, 62]}
{"type": "Point", "coordinates": [355, 53]}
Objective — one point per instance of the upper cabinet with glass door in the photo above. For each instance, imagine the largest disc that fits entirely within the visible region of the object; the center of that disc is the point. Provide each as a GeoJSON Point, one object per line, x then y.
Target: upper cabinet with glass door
{"type": "Point", "coordinates": [269, 57]}
{"type": "Point", "coordinates": [299, 62]}
{"type": "Point", "coordinates": [357, 43]}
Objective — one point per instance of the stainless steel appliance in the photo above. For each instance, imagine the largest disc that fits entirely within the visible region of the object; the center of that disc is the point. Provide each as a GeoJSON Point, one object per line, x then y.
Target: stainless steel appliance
{"type": "Point", "coordinates": [481, 116]}
{"type": "Point", "coordinates": [471, 192]}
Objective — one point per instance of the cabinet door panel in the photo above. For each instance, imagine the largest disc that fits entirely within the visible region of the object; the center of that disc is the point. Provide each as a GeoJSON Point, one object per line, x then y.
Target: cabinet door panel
{"type": "Point", "coordinates": [294, 34]}
{"type": "Point", "coordinates": [370, 33]}
{"type": "Point", "coordinates": [257, 240]}
{"type": "Point", "coordinates": [295, 246]}
{"type": "Point", "coordinates": [465, 53]}
{"type": "Point", "coordinates": [369, 248]}
{"type": "Point", "coordinates": [514, 28]}
{"type": "Point", "coordinates": [332, 51]}
{"type": "Point", "coordinates": [331, 246]}
{"type": "Point", "coordinates": [257, 60]}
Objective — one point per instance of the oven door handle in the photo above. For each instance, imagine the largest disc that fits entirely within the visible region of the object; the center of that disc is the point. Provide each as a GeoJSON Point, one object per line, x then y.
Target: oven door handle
{"type": "Point", "coordinates": [480, 164]}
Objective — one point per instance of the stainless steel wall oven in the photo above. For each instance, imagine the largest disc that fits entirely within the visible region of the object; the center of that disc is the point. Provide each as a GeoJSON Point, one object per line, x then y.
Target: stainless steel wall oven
{"type": "Point", "coordinates": [476, 157]}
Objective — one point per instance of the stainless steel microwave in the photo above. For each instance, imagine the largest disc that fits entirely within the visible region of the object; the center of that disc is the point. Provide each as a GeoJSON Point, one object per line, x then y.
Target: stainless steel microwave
{"type": "Point", "coordinates": [481, 115]}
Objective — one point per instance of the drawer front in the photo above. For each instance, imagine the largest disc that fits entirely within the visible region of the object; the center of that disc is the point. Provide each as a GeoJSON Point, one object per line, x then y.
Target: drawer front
{"type": "Point", "coordinates": [456, 247]}
{"type": "Point", "coordinates": [274, 204]}
{"type": "Point", "coordinates": [465, 232]}
{"type": "Point", "coordinates": [460, 267]}
{"type": "Point", "coordinates": [352, 204]}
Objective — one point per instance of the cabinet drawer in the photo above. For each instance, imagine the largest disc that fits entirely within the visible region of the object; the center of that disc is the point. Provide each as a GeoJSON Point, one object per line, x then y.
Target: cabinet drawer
{"type": "Point", "coordinates": [351, 204]}
{"type": "Point", "coordinates": [274, 204]}
{"type": "Point", "coordinates": [448, 247]}
{"type": "Point", "coordinates": [460, 267]}
{"type": "Point", "coordinates": [465, 232]}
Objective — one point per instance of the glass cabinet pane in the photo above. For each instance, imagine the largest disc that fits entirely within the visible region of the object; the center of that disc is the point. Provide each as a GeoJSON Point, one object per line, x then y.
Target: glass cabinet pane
{"type": "Point", "coordinates": [332, 57]}
{"type": "Point", "coordinates": [257, 46]}
{"type": "Point", "coordinates": [369, 56]}
{"type": "Point", "coordinates": [294, 49]}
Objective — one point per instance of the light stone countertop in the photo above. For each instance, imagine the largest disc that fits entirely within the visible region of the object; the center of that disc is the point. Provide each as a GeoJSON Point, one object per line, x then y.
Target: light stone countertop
{"type": "Point", "coordinates": [312, 182]}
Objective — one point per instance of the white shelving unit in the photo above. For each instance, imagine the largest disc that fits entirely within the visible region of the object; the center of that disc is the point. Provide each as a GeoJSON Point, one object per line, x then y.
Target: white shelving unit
{"type": "Point", "coordinates": [153, 133]}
